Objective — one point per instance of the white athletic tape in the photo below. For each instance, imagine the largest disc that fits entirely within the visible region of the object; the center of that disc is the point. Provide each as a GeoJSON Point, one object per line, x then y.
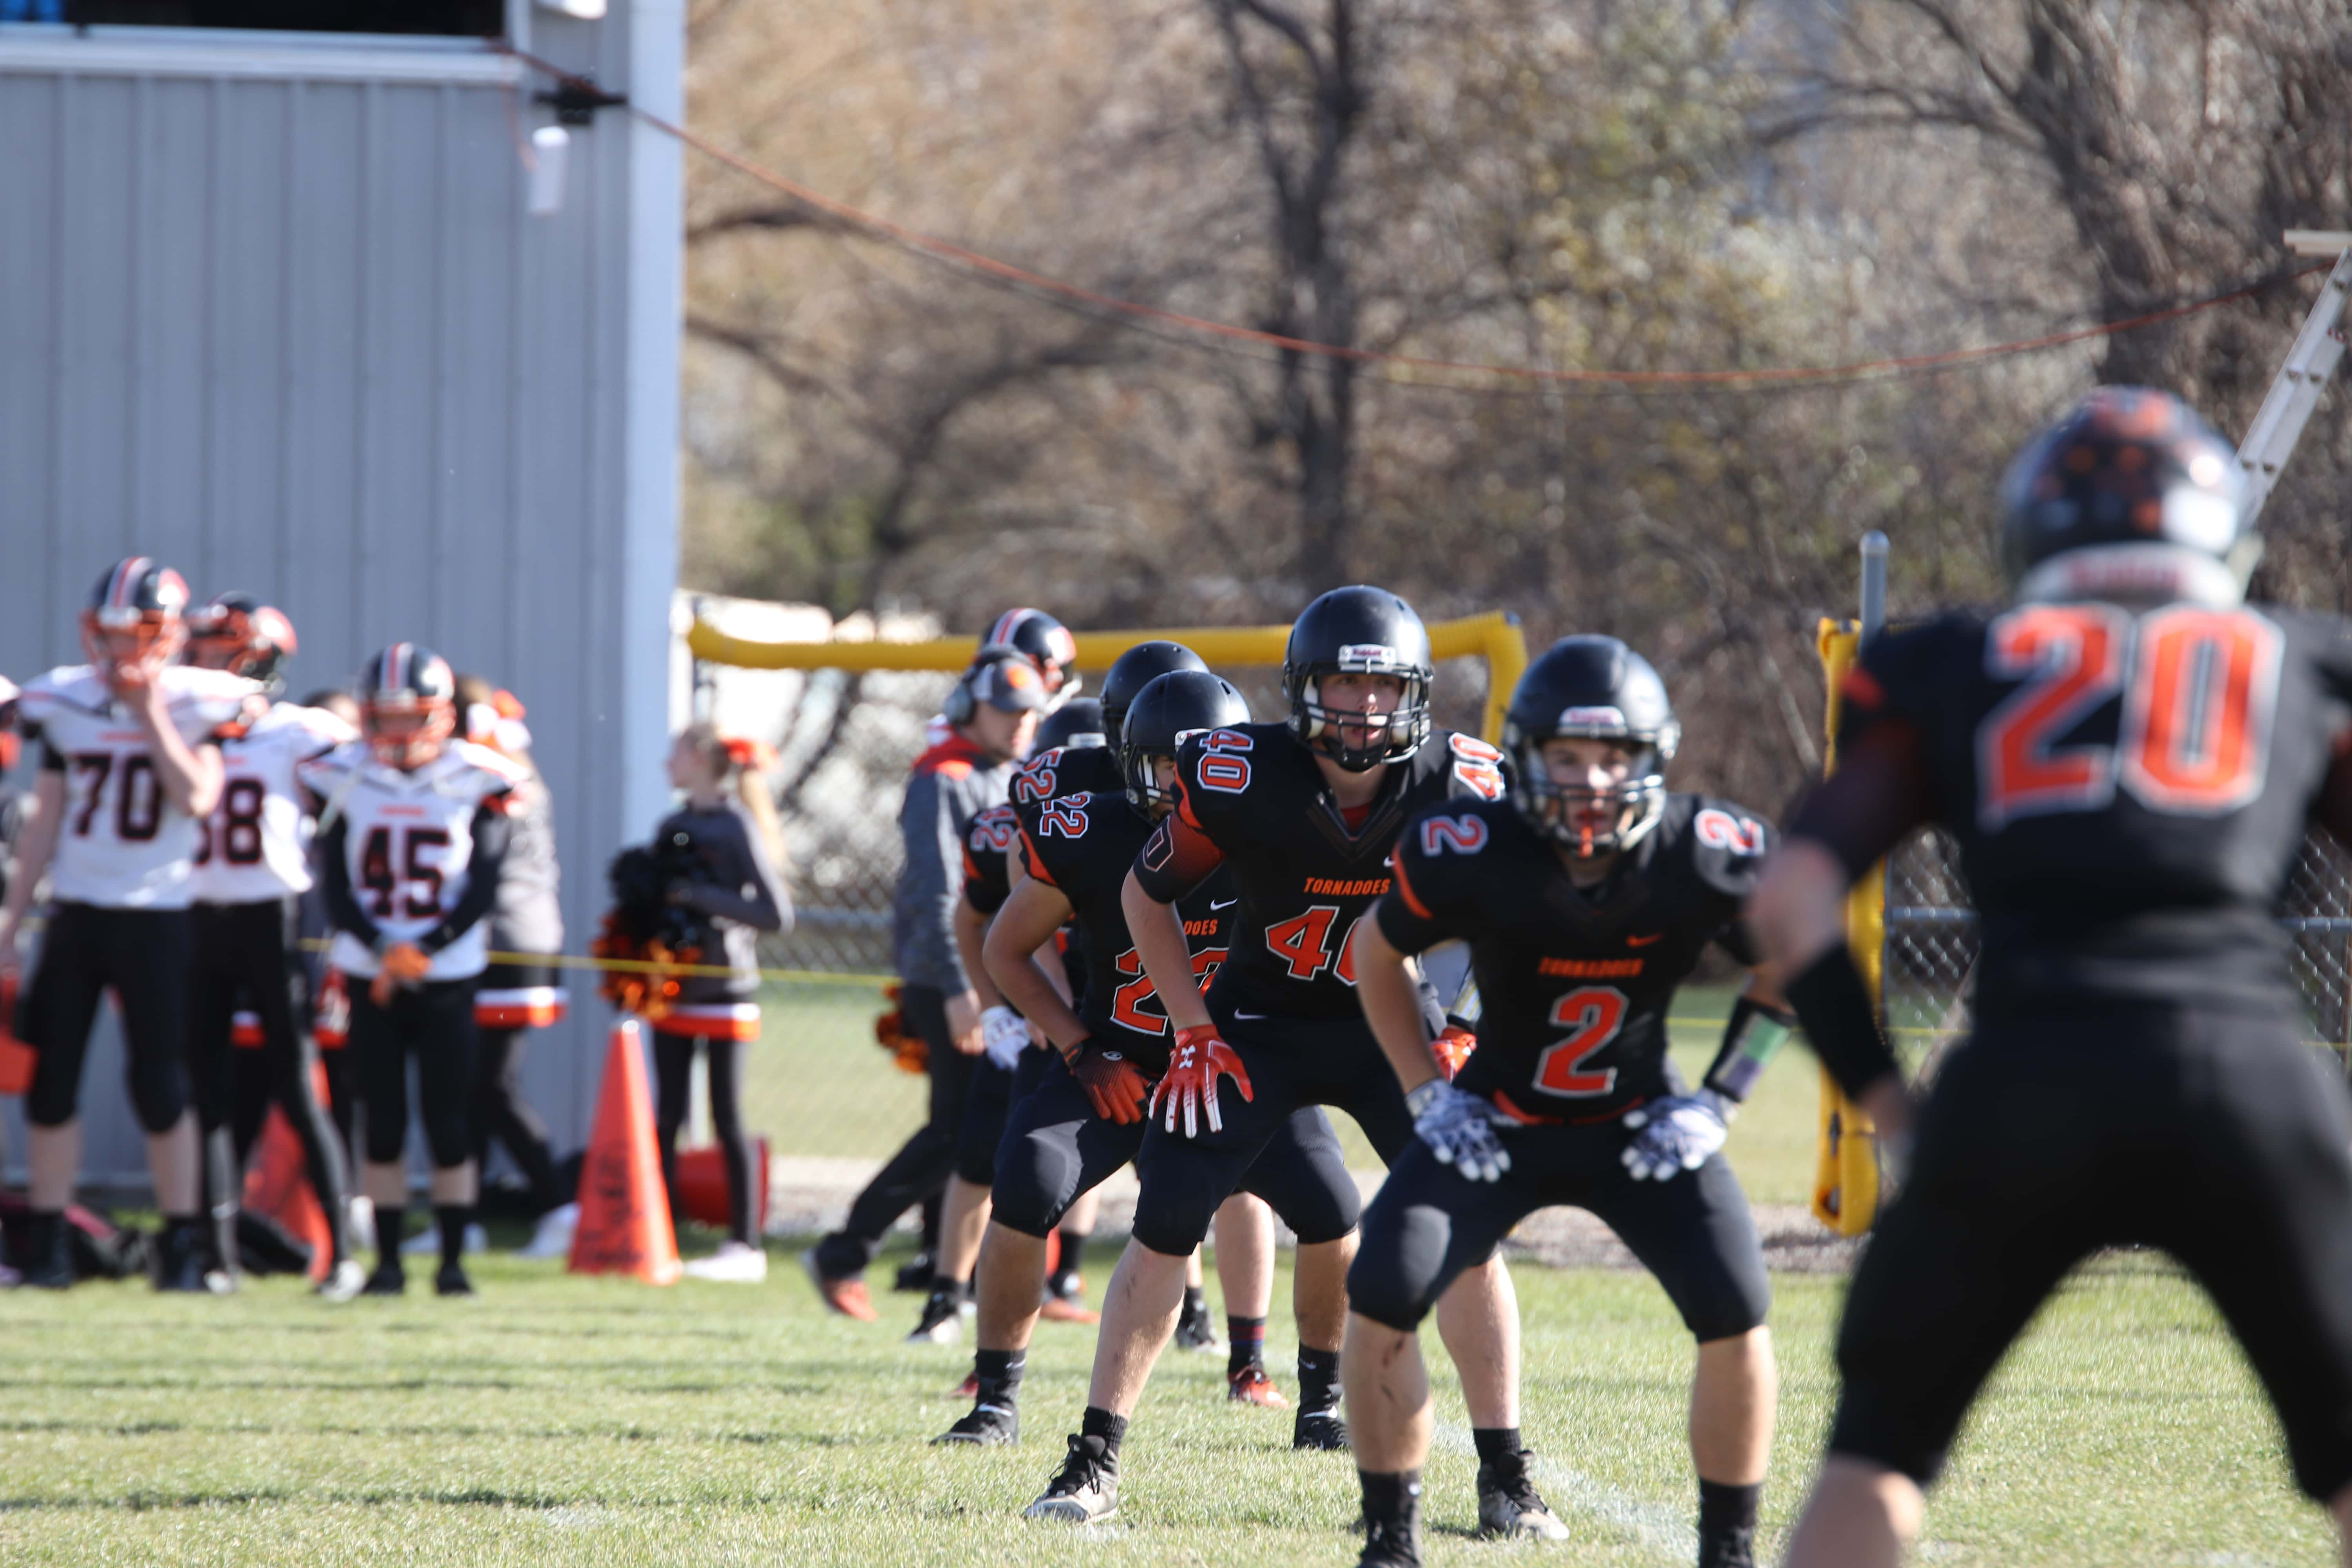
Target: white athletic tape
{"type": "Point", "coordinates": [1666, 1531]}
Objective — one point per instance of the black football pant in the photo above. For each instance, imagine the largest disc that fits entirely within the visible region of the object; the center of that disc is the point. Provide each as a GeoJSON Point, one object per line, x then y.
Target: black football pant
{"type": "Point", "coordinates": [145, 955]}
{"type": "Point", "coordinates": [1056, 1150]}
{"type": "Point", "coordinates": [434, 1022]}
{"type": "Point", "coordinates": [925, 1161]}
{"type": "Point", "coordinates": [2222, 1139]}
{"type": "Point", "coordinates": [1293, 1064]}
{"type": "Point", "coordinates": [1428, 1223]}
{"type": "Point", "coordinates": [673, 1081]}
{"type": "Point", "coordinates": [249, 953]}
{"type": "Point", "coordinates": [994, 1092]}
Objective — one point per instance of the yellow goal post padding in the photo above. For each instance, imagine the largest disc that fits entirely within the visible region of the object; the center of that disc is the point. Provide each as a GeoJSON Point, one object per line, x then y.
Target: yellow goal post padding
{"type": "Point", "coordinates": [1845, 1180]}
{"type": "Point", "coordinates": [1494, 637]}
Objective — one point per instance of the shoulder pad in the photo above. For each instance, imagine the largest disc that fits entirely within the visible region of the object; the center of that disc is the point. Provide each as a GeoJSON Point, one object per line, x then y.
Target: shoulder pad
{"type": "Point", "coordinates": [68, 686]}
{"type": "Point", "coordinates": [995, 831]}
{"type": "Point", "coordinates": [504, 774]}
{"type": "Point", "coordinates": [1727, 843]}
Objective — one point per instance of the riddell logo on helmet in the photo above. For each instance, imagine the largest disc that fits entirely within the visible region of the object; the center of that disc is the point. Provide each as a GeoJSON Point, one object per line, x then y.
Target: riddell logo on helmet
{"type": "Point", "coordinates": [1367, 655]}
{"type": "Point", "coordinates": [1591, 719]}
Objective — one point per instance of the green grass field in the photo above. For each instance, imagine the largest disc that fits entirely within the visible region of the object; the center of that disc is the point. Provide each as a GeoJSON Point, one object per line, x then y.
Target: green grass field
{"type": "Point", "coordinates": [563, 1420]}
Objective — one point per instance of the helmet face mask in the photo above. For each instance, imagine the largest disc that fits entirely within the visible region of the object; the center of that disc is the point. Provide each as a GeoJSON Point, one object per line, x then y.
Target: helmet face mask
{"type": "Point", "coordinates": [1595, 689]}
{"type": "Point", "coordinates": [408, 706]}
{"type": "Point", "coordinates": [1586, 819]}
{"type": "Point", "coordinates": [1170, 710]}
{"type": "Point", "coordinates": [1358, 631]}
{"type": "Point", "coordinates": [238, 635]}
{"type": "Point", "coordinates": [134, 625]}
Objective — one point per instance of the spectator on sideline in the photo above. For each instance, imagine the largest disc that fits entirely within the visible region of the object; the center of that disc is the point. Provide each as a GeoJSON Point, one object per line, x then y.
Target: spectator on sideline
{"type": "Point", "coordinates": [517, 997]}
{"type": "Point", "coordinates": [991, 715]}
{"type": "Point", "coordinates": [728, 824]}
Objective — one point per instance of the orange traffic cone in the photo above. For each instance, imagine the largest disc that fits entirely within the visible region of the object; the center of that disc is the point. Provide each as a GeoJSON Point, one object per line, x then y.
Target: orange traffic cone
{"type": "Point", "coordinates": [624, 1208]}
{"type": "Point", "coordinates": [277, 1185]}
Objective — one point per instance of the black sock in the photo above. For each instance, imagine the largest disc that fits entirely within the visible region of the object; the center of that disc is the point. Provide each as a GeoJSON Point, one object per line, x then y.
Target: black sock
{"type": "Point", "coordinates": [1245, 1340]}
{"type": "Point", "coordinates": [453, 1218]}
{"type": "Point", "coordinates": [1498, 1445]}
{"type": "Point", "coordinates": [1726, 1523]}
{"type": "Point", "coordinates": [1392, 1506]}
{"type": "Point", "coordinates": [1319, 1382]}
{"type": "Point", "coordinates": [390, 1222]}
{"type": "Point", "coordinates": [1101, 1423]}
{"type": "Point", "coordinates": [1067, 1262]}
{"type": "Point", "coordinates": [999, 1373]}
{"type": "Point", "coordinates": [1196, 1305]}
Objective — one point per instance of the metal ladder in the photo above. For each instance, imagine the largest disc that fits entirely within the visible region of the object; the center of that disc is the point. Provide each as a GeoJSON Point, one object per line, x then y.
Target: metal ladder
{"type": "Point", "coordinates": [2294, 392]}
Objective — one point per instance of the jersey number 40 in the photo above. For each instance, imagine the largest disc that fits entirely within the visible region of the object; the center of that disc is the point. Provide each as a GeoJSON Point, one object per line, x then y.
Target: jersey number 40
{"type": "Point", "coordinates": [2200, 689]}
{"type": "Point", "coordinates": [1304, 943]}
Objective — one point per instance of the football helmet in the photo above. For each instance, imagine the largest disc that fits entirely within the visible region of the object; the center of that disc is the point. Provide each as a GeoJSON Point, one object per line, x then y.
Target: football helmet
{"type": "Point", "coordinates": [1592, 688]}
{"type": "Point", "coordinates": [1362, 631]}
{"type": "Point", "coordinates": [238, 633]}
{"type": "Point", "coordinates": [1133, 670]}
{"type": "Point", "coordinates": [1048, 643]}
{"type": "Point", "coordinates": [137, 615]}
{"type": "Point", "coordinates": [408, 705]}
{"type": "Point", "coordinates": [2130, 495]}
{"type": "Point", "coordinates": [1170, 709]}
{"type": "Point", "coordinates": [1079, 723]}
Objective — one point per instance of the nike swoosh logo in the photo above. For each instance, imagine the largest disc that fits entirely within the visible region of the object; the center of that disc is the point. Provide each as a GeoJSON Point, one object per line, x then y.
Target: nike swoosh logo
{"type": "Point", "coordinates": [1229, 903]}
{"type": "Point", "coordinates": [1645, 941]}
{"type": "Point", "coordinates": [1253, 1018]}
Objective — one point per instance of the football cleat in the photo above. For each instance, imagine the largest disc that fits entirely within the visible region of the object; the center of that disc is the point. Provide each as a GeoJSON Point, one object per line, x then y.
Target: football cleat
{"type": "Point", "coordinates": [51, 1267]}
{"type": "Point", "coordinates": [943, 1319]}
{"type": "Point", "coordinates": [1252, 1386]}
{"type": "Point", "coordinates": [1066, 1301]}
{"type": "Point", "coordinates": [181, 1265]}
{"type": "Point", "coordinates": [914, 1275]}
{"type": "Point", "coordinates": [1387, 1548]}
{"type": "Point", "coordinates": [735, 1263]}
{"type": "Point", "coordinates": [846, 1297]}
{"type": "Point", "coordinates": [1085, 1488]}
{"type": "Point", "coordinates": [1197, 1331]}
{"type": "Point", "coordinates": [346, 1280]}
{"type": "Point", "coordinates": [451, 1280]}
{"type": "Point", "coordinates": [1510, 1507]}
{"type": "Point", "coordinates": [986, 1426]}
{"type": "Point", "coordinates": [1320, 1431]}
{"type": "Point", "coordinates": [389, 1280]}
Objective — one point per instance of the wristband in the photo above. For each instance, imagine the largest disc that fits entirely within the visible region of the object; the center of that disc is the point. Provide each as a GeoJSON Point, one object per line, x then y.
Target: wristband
{"type": "Point", "coordinates": [1753, 1035]}
{"type": "Point", "coordinates": [1834, 1006]}
{"type": "Point", "coordinates": [1070, 1057]}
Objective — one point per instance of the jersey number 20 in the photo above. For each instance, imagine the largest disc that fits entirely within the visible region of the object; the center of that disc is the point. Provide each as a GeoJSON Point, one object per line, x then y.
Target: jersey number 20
{"type": "Point", "coordinates": [2199, 687]}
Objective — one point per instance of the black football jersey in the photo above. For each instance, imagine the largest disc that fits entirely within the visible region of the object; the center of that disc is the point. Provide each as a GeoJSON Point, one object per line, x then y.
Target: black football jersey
{"type": "Point", "coordinates": [1064, 770]}
{"type": "Point", "coordinates": [2129, 790]}
{"type": "Point", "coordinates": [987, 875]}
{"type": "Point", "coordinates": [1252, 799]}
{"type": "Point", "coordinates": [1574, 983]}
{"type": "Point", "coordinates": [1084, 845]}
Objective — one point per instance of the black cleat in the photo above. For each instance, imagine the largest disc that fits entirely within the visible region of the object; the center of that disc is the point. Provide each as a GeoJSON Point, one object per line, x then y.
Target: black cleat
{"type": "Point", "coordinates": [50, 1265]}
{"type": "Point", "coordinates": [915, 1274]}
{"type": "Point", "coordinates": [1385, 1546]}
{"type": "Point", "coordinates": [451, 1281]}
{"type": "Point", "coordinates": [1198, 1331]}
{"type": "Point", "coordinates": [987, 1427]}
{"type": "Point", "coordinates": [1510, 1507]}
{"type": "Point", "coordinates": [389, 1280]}
{"type": "Point", "coordinates": [1733, 1547]}
{"type": "Point", "coordinates": [1321, 1430]}
{"type": "Point", "coordinates": [943, 1319]}
{"type": "Point", "coordinates": [1085, 1490]}
{"type": "Point", "coordinates": [182, 1266]}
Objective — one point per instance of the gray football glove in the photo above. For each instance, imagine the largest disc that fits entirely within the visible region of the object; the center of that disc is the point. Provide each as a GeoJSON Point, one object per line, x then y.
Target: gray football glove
{"type": "Point", "coordinates": [1676, 1133]}
{"type": "Point", "coordinates": [1459, 1127]}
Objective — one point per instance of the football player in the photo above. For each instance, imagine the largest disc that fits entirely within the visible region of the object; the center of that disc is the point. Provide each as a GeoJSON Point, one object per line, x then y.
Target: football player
{"type": "Point", "coordinates": [992, 714]}
{"type": "Point", "coordinates": [1586, 898]}
{"type": "Point", "coordinates": [2128, 756]}
{"type": "Point", "coordinates": [1304, 814]}
{"type": "Point", "coordinates": [252, 870]}
{"type": "Point", "coordinates": [413, 828]}
{"type": "Point", "coordinates": [1086, 1120]}
{"type": "Point", "coordinates": [130, 768]}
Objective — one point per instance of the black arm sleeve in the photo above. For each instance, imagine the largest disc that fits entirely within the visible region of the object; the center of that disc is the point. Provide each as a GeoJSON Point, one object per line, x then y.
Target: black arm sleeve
{"type": "Point", "coordinates": [492, 832]}
{"type": "Point", "coordinates": [335, 886]}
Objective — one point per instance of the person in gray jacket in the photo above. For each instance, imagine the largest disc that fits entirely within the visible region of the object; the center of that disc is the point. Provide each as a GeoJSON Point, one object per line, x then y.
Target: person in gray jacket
{"type": "Point", "coordinates": [991, 717]}
{"type": "Point", "coordinates": [523, 991]}
{"type": "Point", "coordinates": [727, 825]}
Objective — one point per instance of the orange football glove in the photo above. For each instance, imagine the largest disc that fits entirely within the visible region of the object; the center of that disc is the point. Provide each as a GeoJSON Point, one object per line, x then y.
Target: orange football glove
{"type": "Point", "coordinates": [1112, 1082]}
{"type": "Point", "coordinates": [1453, 1048]}
{"type": "Point", "coordinates": [1191, 1080]}
{"type": "Point", "coordinates": [403, 964]}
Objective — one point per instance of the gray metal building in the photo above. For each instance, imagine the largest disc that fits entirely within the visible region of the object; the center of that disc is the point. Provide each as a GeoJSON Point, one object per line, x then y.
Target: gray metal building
{"type": "Point", "coordinates": [273, 309]}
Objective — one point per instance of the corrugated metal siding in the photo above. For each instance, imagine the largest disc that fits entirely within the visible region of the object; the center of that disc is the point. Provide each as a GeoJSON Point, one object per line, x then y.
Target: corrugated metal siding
{"type": "Point", "coordinates": [298, 336]}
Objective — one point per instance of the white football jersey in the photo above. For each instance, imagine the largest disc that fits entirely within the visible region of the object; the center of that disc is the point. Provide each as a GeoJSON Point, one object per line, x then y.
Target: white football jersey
{"type": "Point", "coordinates": [122, 844]}
{"type": "Point", "coordinates": [257, 845]}
{"type": "Point", "coordinates": [408, 842]}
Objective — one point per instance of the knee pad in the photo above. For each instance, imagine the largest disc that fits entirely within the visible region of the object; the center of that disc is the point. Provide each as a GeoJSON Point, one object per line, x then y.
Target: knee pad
{"type": "Point", "coordinates": [1173, 1222]}
{"type": "Point", "coordinates": [1400, 1269]}
{"type": "Point", "coordinates": [1031, 1175]}
{"type": "Point", "coordinates": [159, 1092]}
{"type": "Point", "coordinates": [388, 1131]}
{"type": "Point", "coordinates": [449, 1136]}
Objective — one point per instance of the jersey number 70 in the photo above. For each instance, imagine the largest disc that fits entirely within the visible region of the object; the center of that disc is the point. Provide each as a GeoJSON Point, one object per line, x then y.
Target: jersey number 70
{"type": "Point", "coordinates": [2200, 689]}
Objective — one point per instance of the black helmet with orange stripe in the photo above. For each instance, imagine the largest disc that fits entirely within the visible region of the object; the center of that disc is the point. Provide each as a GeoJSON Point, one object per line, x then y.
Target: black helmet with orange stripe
{"type": "Point", "coordinates": [238, 633]}
{"type": "Point", "coordinates": [1048, 643]}
{"type": "Point", "coordinates": [136, 617]}
{"type": "Point", "coordinates": [408, 705]}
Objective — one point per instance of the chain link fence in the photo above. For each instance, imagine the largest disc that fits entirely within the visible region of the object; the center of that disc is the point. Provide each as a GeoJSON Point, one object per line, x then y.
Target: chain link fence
{"type": "Point", "coordinates": [1930, 949]}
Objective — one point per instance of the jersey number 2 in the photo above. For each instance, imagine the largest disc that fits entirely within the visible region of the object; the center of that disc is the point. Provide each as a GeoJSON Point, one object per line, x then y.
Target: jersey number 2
{"type": "Point", "coordinates": [1592, 1015]}
{"type": "Point", "coordinates": [2199, 687]}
